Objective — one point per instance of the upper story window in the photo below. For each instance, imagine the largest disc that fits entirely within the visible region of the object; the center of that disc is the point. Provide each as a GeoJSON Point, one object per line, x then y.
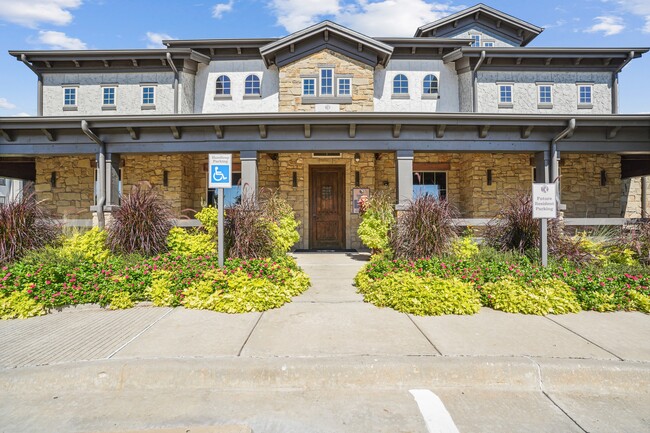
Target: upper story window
{"type": "Point", "coordinates": [252, 86]}
{"type": "Point", "coordinates": [505, 95]}
{"type": "Point", "coordinates": [222, 86]}
{"type": "Point", "coordinates": [544, 95]}
{"type": "Point", "coordinates": [69, 96]}
{"type": "Point", "coordinates": [400, 85]}
{"type": "Point", "coordinates": [476, 40]}
{"type": "Point", "coordinates": [430, 86]}
{"type": "Point", "coordinates": [488, 43]}
{"type": "Point", "coordinates": [326, 82]}
{"type": "Point", "coordinates": [344, 86]}
{"type": "Point", "coordinates": [108, 96]}
{"type": "Point", "coordinates": [309, 86]}
{"type": "Point", "coordinates": [148, 95]}
{"type": "Point", "coordinates": [585, 95]}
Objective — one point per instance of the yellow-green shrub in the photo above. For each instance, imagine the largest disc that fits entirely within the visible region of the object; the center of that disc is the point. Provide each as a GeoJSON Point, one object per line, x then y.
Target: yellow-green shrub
{"type": "Point", "coordinates": [19, 305]}
{"type": "Point", "coordinates": [641, 301]}
{"type": "Point", "coordinates": [195, 244]}
{"type": "Point", "coordinates": [284, 233]}
{"type": "Point", "coordinates": [424, 296]}
{"type": "Point", "coordinates": [464, 247]}
{"type": "Point", "coordinates": [121, 301]}
{"type": "Point", "coordinates": [160, 291]}
{"type": "Point", "coordinates": [90, 246]}
{"type": "Point", "coordinates": [548, 296]}
{"type": "Point", "coordinates": [209, 217]}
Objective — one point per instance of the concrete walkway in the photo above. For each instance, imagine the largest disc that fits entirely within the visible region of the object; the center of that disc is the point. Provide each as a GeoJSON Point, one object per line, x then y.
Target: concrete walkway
{"type": "Point", "coordinates": [326, 362]}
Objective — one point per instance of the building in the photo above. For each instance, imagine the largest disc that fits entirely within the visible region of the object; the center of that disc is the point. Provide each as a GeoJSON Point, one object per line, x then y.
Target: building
{"type": "Point", "coordinates": [464, 109]}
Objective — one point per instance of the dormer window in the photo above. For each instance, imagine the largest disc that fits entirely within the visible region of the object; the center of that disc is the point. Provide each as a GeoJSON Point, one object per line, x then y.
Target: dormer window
{"type": "Point", "coordinates": [326, 82]}
{"type": "Point", "coordinates": [476, 40]}
{"type": "Point", "coordinates": [252, 86]}
{"type": "Point", "coordinates": [223, 86]}
{"type": "Point", "coordinates": [326, 87]}
{"type": "Point", "coordinates": [430, 87]}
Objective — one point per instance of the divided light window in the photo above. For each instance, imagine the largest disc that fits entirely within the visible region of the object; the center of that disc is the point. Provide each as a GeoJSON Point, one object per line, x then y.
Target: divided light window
{"type": "Point", "coordinates": [70, 96]}
{"type": "Point", "coordinates": [476, 40]}
{"type": "Point", "coordinates": [545, 94]}
{"type": "Point", "coordinates": [432, 183]}
{"type": "Point", "coordinates": [430, 85]}
{"type": "Point", "coordinates": [344, 87]}
{"type": "Point", "coordinates": [223, 85]}
{"type": "Point", "coordinates": [327, 82]}
{"type": "Point", "coordinates": [400, 85]}
{"type": "Point", "coordinates": [108, 96]}
{"type": "Point", "coordinates": [148, 95]}
{"type": "Point", "coordinates": [309, 86]}
{"type": "Point", "coordinates": [584, 94]}
{"type": "Point", "coordinates": [252, 85]}
{"type": "Point", "coordinates": [488, 44]}
{"type": "Point", "coordinates": [505, 94]}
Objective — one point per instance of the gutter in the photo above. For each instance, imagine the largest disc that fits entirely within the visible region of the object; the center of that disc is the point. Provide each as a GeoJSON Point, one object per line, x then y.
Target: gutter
{"type": "Point", "coordinates": [630, 56]}
{"type": "Point", "coordinates": [101, 175]}
{"type": "Point", "coordinates": [173, 66]}
{"type": "Point", "coordinates": [554, 168]}
{"type": "Point", "coordinates": [39, 94]}
{"type": "Point", "coordinates": [474, 81]}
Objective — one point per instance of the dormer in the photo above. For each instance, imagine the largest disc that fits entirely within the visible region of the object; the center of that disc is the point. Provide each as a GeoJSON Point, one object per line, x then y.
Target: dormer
{"type": "Point", "coordinates": [487, 27]}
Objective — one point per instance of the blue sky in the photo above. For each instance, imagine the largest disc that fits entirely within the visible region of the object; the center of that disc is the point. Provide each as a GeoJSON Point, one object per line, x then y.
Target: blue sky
{"type": "Point", "coordinates": [106, 24]}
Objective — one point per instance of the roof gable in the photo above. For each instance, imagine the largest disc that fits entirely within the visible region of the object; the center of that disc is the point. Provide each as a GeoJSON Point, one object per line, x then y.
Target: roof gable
{"type": "Point", "coordinates": [484, 16]}
{"type": "Point", "coordinates": [326, 35]}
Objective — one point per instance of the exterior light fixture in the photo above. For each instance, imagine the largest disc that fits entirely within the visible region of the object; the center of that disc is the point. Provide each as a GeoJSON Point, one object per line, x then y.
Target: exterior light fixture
{"type": "Point", "coordinates": [489, 177]}
{"type": "Point", "coordinates": [165, 178]}
{"type": "Point", "coordinates": [357, 178]}
{"type": "Point", "coordinates": [357, 157]}
{"type": "Point", "coordinates": [603, 178]}
{"type": "Point", "coordinates": [53, 179]}
{"type": "Point", "coordinates": [294, 179]}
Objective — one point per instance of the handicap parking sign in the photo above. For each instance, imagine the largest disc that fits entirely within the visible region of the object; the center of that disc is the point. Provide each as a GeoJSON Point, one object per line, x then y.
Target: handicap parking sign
{"type": "Point", "coordinates": [220, 169]}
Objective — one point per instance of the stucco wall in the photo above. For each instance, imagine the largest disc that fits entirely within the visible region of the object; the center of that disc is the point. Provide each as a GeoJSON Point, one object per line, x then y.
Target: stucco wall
{"type": "Point", "coordinates": [465, 91]}
{"type": "Point", "coordinates": [415, 71]}
{"type": "Point", "coordinates": [128, 99]}
{"type": "Point", "coordinates": [186, 92]}
{"type": "Point", "coordinates": [565, 91]}
{"type": "Point", "coordinates": [237, 71]}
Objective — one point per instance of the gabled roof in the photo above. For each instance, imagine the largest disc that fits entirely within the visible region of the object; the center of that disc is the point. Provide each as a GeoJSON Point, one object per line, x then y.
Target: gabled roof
{"type": "Point", "coordinates": [495, 20]}
{"type": "Point", "coordinates": [326, 35]}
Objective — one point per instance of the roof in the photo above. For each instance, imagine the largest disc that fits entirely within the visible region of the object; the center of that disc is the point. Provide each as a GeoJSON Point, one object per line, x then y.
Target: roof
{"type": "Point", "coordinates": [480, 13]}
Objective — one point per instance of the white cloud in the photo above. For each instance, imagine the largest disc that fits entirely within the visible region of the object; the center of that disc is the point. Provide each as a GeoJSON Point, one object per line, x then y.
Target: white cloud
{"type": "Point", "coordinates": [640, 8]}
{"type": "Point", "coordinates": [60, 41]}
{"type": "Point", "coordinates": [155, 39]}
{"type": "Point", "coordinates": [375, 18]}
{"type": "Point", "coordinates": [221, 8]}
{"type": "Point", "coordinates": [6, 104]}
{"type": "Point", "coordinates": [31, 13]}
{"type": "Point", "coordinates": [21, 114]}
{"type": "Point", "coordinates": [609, 25]}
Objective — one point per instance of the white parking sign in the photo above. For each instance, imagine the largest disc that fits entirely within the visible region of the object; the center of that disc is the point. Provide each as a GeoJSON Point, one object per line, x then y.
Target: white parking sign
{"type": "Point", "coordinates": [544, 200]}
{"type": "Point", "coordinates": [220, 170]}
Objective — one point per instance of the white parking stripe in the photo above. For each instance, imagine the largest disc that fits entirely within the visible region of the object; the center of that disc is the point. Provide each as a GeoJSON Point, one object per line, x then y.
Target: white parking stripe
{"type": "Point", "coordinates": [434, 412]}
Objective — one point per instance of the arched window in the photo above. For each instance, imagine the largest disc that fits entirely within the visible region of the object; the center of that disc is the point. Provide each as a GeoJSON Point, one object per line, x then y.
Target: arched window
{"type": "Point", "coordinates": [430, 85]}
{"type": "Point", "coordinates": [252, 85]}
{"type": "Point", "coordinates": [223, 85]}
{"type": "Point", "coordinates": [400, 85]}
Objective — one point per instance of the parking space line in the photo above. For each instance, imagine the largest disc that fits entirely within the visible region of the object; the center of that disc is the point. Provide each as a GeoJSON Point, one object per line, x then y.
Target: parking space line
{"type": "Point", "coordinates": [434, 412]}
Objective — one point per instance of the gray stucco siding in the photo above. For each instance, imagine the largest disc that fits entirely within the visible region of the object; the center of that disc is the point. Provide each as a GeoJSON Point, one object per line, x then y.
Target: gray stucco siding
{"type": "Point", "coordinates": [128, 97]}
{"type": "Point", "coordinates": [525, 88]}
{"type": "Point", "coordinates": [186, 93]}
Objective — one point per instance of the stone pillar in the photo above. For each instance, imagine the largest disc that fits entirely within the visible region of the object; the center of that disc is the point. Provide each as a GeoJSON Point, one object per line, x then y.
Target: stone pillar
{"type": "Point", "coordinates": [404, 177]}
{"type": "Point", "coordinates": [248, 160]}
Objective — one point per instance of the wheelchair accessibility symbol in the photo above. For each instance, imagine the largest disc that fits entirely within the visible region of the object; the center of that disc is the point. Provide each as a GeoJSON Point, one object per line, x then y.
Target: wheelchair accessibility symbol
{"type": "Point", "coordinates": [220, 174]}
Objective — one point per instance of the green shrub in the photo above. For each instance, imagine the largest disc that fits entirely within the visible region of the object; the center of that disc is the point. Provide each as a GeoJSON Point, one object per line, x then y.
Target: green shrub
{"type": "Point", "coordinates": [19, 305]}
{"type": "Point", "coordinates": [464, 248]}
{"type": "Point", "coordinates": [641, 302]}
{"type": "Point", "coordinates": [121, 301]}
{"type": "Point", "coordinates": [284, 234]}
{"type": "Point", "coordinates": [377, 220]}
{"type": "Point", "coordinates": [181, 242]}
{"type": "Point", "coordinates": [209, 218]}
{"type": "Point", "coordinates": [89, 246]}
{"type": "Point", "coordinates": [160, 291]}
{"type": "Point", "coordinates": [541, 297]}
{"type": "Point", "coordinates": [424, 296]}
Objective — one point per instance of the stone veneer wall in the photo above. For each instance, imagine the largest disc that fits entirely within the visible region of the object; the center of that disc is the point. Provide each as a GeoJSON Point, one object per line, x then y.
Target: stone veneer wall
{"type": "Point", "coordinates": [631, 197]}
{"type": "Point", "coordinates": [73, 194]}
{"type": "Point", "coordinates": [290, 93]}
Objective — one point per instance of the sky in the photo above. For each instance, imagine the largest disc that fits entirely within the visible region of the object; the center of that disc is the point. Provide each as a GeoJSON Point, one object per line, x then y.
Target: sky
{"type": "Point", "coordinates": [121, 24]}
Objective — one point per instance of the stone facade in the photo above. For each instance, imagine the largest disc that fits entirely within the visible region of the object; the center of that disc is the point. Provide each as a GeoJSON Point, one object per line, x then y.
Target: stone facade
{"type": "Point", "coordinates": [290, 94]}
{"type": "Point", "coordinates": [631, 199]}
{"type": "Point", "coordinates": [72, 193]}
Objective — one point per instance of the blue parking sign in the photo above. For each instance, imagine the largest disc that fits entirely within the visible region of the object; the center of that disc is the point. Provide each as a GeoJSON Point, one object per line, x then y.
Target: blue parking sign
{"type": "Point", "coordinates": [220, 169]}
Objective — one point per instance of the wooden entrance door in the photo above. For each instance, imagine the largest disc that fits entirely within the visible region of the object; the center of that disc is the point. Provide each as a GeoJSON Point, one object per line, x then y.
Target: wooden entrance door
{"type": "Point", "coordinates": [327, 207]}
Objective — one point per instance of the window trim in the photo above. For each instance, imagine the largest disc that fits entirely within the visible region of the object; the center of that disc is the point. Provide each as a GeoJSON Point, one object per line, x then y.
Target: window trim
{"type": "Point", "coordinates": [446, 173]}
{"type": "Point", "coordinates": [541, 104]}
{"type": "Point", "coordinates": [400, 95]}
{"type": "Point", "coordinates": [315, 80]}
{"type": "Point", "coordinates": [589, 104]}
{"type": "Point", "coordinates": [335, 97]}
{"type": "Point", "coordinates": [320, 82]}
{"type": "Point", "coordinates": [257, 95]}
{"type": "Point", "coordinates": [228, 95]}
{"type": "Point", "coordinates": [489, 41]}
{"type": "Point", "coordinates": [506, 104]}
{"type": "Point", "coordinates": [71, 107]}
{"type": "Point", "coordinates": [436, 94]}
{"type": "Point", "coordinates": [338, 86]}
{"type": "Point", "coordinates": [148, 105]}
{"type": "Point", "coordinates": [112, 106]}
{"type": "Point", "coordinates": [477, 41]}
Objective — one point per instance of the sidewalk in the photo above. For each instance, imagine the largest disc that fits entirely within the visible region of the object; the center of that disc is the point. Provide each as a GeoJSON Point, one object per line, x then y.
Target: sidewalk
{"type": "Point", "coordinates": [328, 353]}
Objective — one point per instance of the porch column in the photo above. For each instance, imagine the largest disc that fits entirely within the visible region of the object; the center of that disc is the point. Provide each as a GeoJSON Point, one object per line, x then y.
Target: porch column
{"type": "Point", "coordinates": [113, 161]}
{"type": "Point", "coordinates": [542, 166]}
{"type": "Point", "coordinates": [404, 177]}
{"type": "Point", "coordinates": [248, 160]}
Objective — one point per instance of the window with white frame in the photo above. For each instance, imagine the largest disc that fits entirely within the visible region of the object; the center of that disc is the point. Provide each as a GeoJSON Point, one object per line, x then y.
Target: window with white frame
{"type": "Point", "coordinates": [488, 43]}
{"type": "Point", "coordinates": [430, 85]}
{"type": "Point", "coordinates": [544, 94]}
{"type": "Point", "coordinates": [70, 96]}
{"type": "Point", "coordinates": [505, 94]}
{"type": "Point", "coordinates": [108, 96]}
{"type": "Point", "coordinates": [431, 183]}
{"type": "Point", "coordinates": [309, 86]}
{"type": "Point", "coordinates": [400, 85]}
{"type": "Point", "coordinates": [344, 86]}
{"type": "Point", "coordinates": [222, 87]}
{"type": "Point", "coordinates": [585, 94]}
{"type": "Point", "coordinates": [327, 82]}
{"type": "Point", "coordinates": [476, 40]}
{"type": "Point", "coordinates": [252, 85]}
{"type": "Point", "coordinates": [148, 95]}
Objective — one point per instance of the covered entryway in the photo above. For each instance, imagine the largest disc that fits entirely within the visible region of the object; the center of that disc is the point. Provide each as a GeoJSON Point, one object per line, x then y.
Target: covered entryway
{"type": "Point", "coordinates": [327, 207]}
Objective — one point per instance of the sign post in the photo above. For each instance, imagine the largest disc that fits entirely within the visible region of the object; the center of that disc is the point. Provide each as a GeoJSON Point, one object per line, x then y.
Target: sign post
{"type": "Point", "coordinates": [544, 207]}
{"type": "Point", "coordinates": [220, 169]}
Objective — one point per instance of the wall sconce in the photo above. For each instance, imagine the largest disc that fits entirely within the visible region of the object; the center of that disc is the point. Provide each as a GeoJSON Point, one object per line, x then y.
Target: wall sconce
{"type": "Point", "coordinates": [377, 156]}
{"type": "Point", "coordinates": [165, 178]}
{"type": "Point", "coordinates": [385, 183]}
{"type": "Point", "coordinates": [294, 179]}
{"type": "Point", "coordinates": [53, 179]}
{"type": "Point", "coordinates": [603, 178]}
{"type": "Point", "coordinates": [357, 178]}
{"type": "Point", "coordinates": [357, 157]}
{"type": "Point", "coordinates": [489, 177]}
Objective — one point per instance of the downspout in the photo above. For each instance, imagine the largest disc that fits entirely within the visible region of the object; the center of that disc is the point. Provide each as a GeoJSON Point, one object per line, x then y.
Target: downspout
{"type": "Point", "coordinates": [39, 92]}
{"type": "Point", "coordinates": [474, 82]}
{"type": "Point", "coordinates": [173, 66]}
{"type": "Point", "coordinates": [554, 168]}
{"type": "Point", "coordinates": [101, 175]}
{"type": "Point", "coordinates": [630, 56]}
